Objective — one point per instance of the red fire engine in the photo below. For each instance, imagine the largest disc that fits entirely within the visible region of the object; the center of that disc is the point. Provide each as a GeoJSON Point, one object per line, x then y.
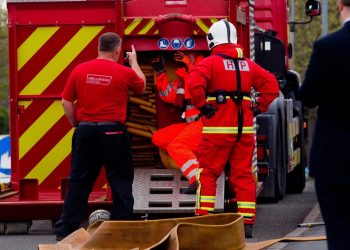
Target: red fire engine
{"type": "Point", "coordinates": [47, 38]}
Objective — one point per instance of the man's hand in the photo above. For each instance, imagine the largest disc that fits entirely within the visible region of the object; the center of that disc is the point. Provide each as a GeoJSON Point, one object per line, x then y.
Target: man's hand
{"type": "Point", "coordinates": [158, 64]}
{"type": "Point", "coordinates": [181, 57]}
{"type": "Point", "coordinates": [208, 110]}
{"type": "Point", "coordinates": [131, 55]}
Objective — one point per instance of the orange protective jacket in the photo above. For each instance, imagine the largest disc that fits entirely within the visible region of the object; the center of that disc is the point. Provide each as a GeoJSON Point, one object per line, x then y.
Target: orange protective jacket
{"type": "Point", "coordinates": [176, 92]}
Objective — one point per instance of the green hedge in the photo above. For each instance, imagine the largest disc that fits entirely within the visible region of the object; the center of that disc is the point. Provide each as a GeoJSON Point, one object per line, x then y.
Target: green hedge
{"type": "Point", "coordinates": [4, 121]}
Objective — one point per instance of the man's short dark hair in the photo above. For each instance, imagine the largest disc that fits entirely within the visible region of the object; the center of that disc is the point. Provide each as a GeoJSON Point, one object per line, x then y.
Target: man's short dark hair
{"type": "Point", "coordinates": [346, 2]}
{"type": "Point", "coordinates": [108, 42]}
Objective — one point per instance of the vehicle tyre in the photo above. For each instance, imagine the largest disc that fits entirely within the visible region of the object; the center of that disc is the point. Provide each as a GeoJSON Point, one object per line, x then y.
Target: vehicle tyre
{"type": "Point", "coordinates": [281, 176]}
{"type": "Point", "coordinates": [296, 179]}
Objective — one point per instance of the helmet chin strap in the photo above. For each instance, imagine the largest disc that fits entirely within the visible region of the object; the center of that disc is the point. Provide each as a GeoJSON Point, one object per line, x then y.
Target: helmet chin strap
{"type": "Point", "coordinates": [228, 31]}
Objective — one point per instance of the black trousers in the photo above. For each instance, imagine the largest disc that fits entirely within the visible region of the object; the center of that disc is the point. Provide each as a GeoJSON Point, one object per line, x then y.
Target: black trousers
{"type": "Point", "coordinates": [94, 146]}
{"type": "Point", "coordinates": [334, 200]}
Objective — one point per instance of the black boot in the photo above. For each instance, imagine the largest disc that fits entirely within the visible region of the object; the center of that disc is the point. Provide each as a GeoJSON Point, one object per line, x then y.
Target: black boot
{"type": "Point", "coordinates": [248, 230]}
{"type": "Point", "coordinates": [191, 189]}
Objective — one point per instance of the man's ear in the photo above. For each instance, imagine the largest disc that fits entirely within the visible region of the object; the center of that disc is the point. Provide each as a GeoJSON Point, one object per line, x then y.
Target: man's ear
{"type": "Point", "coordinates": [341, 6]}
{"type": "Point", "coordinates": [117, 53]}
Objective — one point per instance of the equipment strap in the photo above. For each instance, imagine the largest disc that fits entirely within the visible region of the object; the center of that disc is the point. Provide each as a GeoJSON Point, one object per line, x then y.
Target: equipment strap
{"type": "Point", "coordinates": [237, 97]}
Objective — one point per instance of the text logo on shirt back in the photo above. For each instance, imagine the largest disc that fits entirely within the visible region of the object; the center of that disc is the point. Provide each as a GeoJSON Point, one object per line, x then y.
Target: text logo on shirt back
{"type": "Point", "coordinates": [229, 65]}
{"type": "Point", "coordinates": [98, 79]}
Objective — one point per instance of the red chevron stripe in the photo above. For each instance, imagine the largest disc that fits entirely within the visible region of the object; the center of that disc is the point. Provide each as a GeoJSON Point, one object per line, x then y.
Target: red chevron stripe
{"type": "Point", "coordinates": [43, 146]}
{"type": "Point", "coordinates": [45, 54]}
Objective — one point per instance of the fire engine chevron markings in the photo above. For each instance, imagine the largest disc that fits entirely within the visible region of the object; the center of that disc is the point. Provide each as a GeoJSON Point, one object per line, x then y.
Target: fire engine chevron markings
{"type": "Point", "coordinates": [40, 127]}
{"type": "Point", "coordinates": [61, 60]}
{"type": "Point", "coordinates": [33, 43]}
{"type": "Point", "coordinates": [56, 155]}
{"type": "Point", "coordinates": [132, 26]}
{"type": "Point", "coordinates": [147, 27]}
{"type": "Point", "coordinates": [204, 26]}
{"type": "Point", "coordinates": [24, 103]}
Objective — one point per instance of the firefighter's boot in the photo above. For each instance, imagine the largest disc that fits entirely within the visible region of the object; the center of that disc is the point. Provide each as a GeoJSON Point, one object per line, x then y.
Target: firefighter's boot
{"type": "Point", "coordinates": [248, 230]}
{"type": "Point", "coordinates": [191, 189]}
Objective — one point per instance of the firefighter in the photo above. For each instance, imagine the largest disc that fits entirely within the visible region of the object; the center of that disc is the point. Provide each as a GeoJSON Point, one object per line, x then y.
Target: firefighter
{"type": "Point", "coordinates": [179, 140]}
{"type": "Point", "coordinates": [220, 87]}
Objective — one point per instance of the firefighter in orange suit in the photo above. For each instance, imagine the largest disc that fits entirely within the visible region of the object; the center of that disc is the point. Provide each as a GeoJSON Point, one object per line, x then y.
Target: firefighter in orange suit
{"type": "Point", "coordinates": [180, 140]}
{"type": "Point", "coordinates": [220, 87]}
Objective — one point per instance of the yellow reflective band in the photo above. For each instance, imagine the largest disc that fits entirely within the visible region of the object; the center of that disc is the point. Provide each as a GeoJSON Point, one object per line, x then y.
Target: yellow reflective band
{"type": "Point", "coordinates": [247, 215]}
{"type": "Point", "coordinates": [240, 52]}
{"type": "Point", "coordinates": [243, 204]}
{"type": "Point", "coordinates": [210, 209]}
{"type": "Point", "coordinates": [207, 199]}
{"type": "Point", "coordinates": [214, 98]}
{"type": "Point", "coordinates": [61, 60]}
{"type": "Point", "coordinates": [40, 127]}
{"type": "Point", "coordinates": [132, 26]}
{"type": "Point", "coordinates": [147, 27]}
{"type": "Point", "coordinates": [33, 43]}
{"type": "Point", "coordinates": [198, 193]}
{"type": "Point", "coordinates": [56, 155]}
{"type": "Point", "coordinates": [227, 130]}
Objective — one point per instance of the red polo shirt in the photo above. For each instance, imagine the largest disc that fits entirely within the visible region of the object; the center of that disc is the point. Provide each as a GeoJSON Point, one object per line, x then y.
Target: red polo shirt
{"type": "Point", "coordinates": [100, 89]}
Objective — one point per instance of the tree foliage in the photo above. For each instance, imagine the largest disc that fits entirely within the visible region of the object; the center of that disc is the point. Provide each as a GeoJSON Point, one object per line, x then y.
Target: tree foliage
{"type": "Point", "coordinates": [306, 34]}
{"type": "Point", "coordinates": [4, 82]}
{"type": "Point", "coordinates": [4, 121]}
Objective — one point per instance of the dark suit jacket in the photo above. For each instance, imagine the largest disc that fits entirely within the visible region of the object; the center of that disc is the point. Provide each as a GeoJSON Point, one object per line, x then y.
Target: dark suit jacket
{"type": "Point", "coordinates": [327, 85]}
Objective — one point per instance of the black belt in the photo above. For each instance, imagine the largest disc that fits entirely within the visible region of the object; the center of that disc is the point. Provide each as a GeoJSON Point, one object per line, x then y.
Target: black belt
{"type": "Point", "coordinates": [97, 123]}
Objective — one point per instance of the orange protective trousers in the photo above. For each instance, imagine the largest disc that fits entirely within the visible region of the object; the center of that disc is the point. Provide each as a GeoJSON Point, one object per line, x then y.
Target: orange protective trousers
{"type": "Point", "coordinates": [181, 141]}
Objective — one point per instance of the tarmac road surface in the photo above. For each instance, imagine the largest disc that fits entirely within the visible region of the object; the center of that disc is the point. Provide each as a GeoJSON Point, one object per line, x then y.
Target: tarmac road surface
{"type": "Point", "coordinates": [274, 220]}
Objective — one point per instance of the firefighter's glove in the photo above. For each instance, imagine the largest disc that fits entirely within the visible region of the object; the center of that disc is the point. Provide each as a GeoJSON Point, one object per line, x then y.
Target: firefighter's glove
{"type": "Point", "coordinates": [208, 110]}
{"type": "Point", "coordinates": [181, 57]}
{"type": "Point", "coordinates": [158, 64]}
{"type": "Point", "coordinates": [256, 110]}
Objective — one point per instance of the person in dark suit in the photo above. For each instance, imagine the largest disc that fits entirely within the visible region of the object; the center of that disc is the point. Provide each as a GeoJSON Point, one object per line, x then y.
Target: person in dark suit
{"type": "Point", "coordinates": [327, 85]}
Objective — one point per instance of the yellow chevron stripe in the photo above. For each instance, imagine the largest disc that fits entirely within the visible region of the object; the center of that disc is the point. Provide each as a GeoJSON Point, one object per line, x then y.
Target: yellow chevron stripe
{"type": "Point", "coordinates": [202, 25]}
{"type": "Point", "coordinates": [147, 27]}
{"type": "Point", "coordinates": [33, 43]}
{"type": "Point", "coordinates": [61, 60]}
{"type": "Point", "coordinates": [132, 26]}
{"type": "Point", "coordinates": [214, 20]}
{"type": "Point", "coordinates": [24, 103]}
{"type": "Point", "coordinates": [39, 128]}
{"type": "Point", "coordinates": [56, 155]}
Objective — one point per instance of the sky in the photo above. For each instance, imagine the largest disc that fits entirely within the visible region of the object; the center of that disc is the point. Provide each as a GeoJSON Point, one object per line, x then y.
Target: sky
{"type": "Point", "coordinates": [3, 4]}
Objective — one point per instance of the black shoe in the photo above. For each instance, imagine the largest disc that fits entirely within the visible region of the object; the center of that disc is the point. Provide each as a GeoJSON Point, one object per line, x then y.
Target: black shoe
{"type": "Point", "coordinates": [59, 237]}
{"type": "Point", "coordinates": [191, 189]}
{"type": "Point", "coordinates": [62, 230]}
{"type": "Point", "coordinates": [248, 230]}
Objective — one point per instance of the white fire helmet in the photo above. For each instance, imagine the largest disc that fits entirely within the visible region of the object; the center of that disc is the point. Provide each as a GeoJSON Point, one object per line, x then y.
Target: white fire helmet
{"type": "Point", "coordinates": [221, 32]}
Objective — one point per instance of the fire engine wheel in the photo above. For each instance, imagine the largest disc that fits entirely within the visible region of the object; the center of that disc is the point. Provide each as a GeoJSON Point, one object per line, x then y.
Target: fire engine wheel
{"type": "Point", "coordinates": [296, 178]}
{"type": "Point", "coordinates": [281, 171]}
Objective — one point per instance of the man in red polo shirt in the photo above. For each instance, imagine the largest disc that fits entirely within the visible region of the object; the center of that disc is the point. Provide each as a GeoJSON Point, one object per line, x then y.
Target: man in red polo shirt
{"type": "Point", "coordinates": [95, 101]}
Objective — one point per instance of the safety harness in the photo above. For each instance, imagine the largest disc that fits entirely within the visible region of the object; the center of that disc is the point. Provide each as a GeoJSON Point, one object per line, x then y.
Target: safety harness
{"type": "Point", "coordinates": [237, 96]}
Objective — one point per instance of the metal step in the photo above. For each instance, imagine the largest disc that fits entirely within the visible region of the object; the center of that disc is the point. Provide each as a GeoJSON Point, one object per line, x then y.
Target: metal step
{"type": "Point", "coordinates": [158, 191]}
